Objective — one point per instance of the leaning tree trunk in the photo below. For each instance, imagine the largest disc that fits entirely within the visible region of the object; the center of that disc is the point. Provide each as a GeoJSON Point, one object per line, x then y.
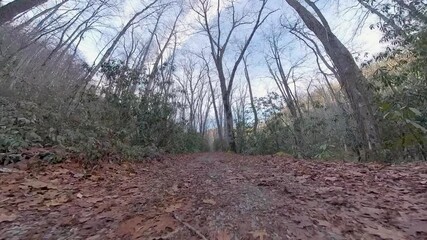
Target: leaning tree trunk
{"type": "Point", "coordinates": [12, 9]}
{"type": "Point", "coordinates": [251, 96]}
{"type": "Point", "coordinates": [351, 78]}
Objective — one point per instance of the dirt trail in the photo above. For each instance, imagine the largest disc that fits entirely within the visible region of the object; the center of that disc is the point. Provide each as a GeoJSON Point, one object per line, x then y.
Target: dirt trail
{"type": "Point", "coordinates": [215, 196]}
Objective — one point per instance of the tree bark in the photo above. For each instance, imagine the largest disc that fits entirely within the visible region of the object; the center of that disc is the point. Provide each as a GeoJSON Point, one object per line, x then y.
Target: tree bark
{"type": "Point", "coordinates": [351, 80]}
{"type": "Point", "coordinates": [12, 9]}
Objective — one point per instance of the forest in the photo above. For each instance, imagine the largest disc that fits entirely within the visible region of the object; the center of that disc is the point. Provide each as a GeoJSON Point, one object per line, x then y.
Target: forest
{"type": "Point", "coordinates": [326, 99]}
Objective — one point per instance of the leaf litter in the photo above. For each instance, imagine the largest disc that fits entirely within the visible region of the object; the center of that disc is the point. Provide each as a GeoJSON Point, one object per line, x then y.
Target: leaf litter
{"type": "Point", "coordinates": [215, 196]}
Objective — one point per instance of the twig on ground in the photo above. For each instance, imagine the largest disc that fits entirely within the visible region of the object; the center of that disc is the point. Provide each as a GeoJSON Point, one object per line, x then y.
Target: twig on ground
{"type": "Point", "coordinates": [190, 227]}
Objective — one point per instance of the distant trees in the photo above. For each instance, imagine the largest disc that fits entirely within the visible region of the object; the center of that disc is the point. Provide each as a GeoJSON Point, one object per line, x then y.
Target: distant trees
{"type": "Point", "coordinates": [219, 38]}
{"type": "Point", "coordinates": [113, 45]}
{"type": "Point", "coordinates": [140, 76]}
{"type": "Point", "coordinates": [283, 77]}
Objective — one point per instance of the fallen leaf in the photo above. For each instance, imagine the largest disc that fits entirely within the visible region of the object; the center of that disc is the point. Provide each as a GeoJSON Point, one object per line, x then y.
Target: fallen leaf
{"type": "Point", "coordinates": [36, 184]}
{"type": "Point", "coordinates": [418, 227]}
{"type": "Point", "coordinates": [50, 194]}
{"type": "Point", "coordinates": [10, 170]}
{"type": "Point", "coordinates": [61, 171]}
{"type": "Point", "coordinates": [332, 179]}
{"type": "Point", "coordinates": [94, 200]}
{"type": "Point", "coordinates": [78, 175]}
{"type": "Point", "coordinates": [303, 221]}
{"type": "Point", "coordinates": [259, 234]}
{"type": "Point", "coordinates": [323, 223]}
{"type": "Point", "coordinates": [303, 178]}
{"type": "Point", "coordinates": [95, 237]}
{"type": "Point", "coordinates": [384, 233]}
{"type": "Point", "coordinates": [175, 187]}
{"type": "Point", "coordinates": [57, 201]}
{"type": "Point", "coordinates": [7, 217]}
{"type": "Point", "coordinates": [223, 235]}
{"type": "Point", "coordinates": [209, 201]}
{"type": "Point", "coordinates": [79, 195]}
{"type": "Point", "coordinates": [139, 226]}
{"type": "Point", "coordinates": [173, 208]}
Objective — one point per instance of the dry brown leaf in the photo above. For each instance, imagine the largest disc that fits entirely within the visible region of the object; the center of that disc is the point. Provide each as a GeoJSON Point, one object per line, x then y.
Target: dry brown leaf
{"type": "Point", "coordinates": [7, 217]}
{"type": "Point", "coordinates": [95, 237]}
{"type": "Point", "coordinates": [173, 208]}
{"type": "Point", "coordinates": [78, 175]}
{"type": "Point", "coordinates": [332, 179]}
{"type": "Point", "coordinates": [10, 170]}
{"type": "Point", "coordinates": [130, 226]}
{"type": "Point", "coordinates": [384, 233]}
{"type": "Point", "coordinates": [79, 195]}
{"type": "Point", "coordinates": [418, 227]}
{"type": "Point", "coordinates": [94, 200]}
{"type": "Point", "coordinates": [155, 226]}
{"type": "Point", "coordinates": [223, 235]}
{"type": "Point", "coordinates": [36, 184]}
{"type": "Point", "coordinates": [324, 223]}
{"type": "Point", "coordinates": [259, 234]}
{"type": "Point", "coordinates": [61, 171]}
{"type": "Point", "coordinates": [175, 187]}
{"type": "Point", "coordinates": [57, 201]}
{"type": "Point", "coordinates": [209, 201]}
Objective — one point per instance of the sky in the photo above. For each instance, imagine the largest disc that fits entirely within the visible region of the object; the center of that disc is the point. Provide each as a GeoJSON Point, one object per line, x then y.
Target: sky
{"type": "Point", "coordinates": [342, 22]}
{"type": "Point", "coordinates": [367, 40]}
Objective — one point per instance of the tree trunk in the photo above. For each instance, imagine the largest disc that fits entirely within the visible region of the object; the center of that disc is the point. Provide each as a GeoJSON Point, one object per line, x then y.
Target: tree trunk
{"type": "Point", "coordinates": [12, 9]}
{"type": "Point", "coordinates": [251, 96]}
{"type": "Point", "coordinates": [217, 118]}
{"type": "Point", "coordinates": [228, 112]}
{"type": "Point", "coordinates": [351, 79]}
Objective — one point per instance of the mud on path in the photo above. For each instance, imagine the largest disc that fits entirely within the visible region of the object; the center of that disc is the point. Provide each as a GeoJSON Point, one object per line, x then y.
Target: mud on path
{"type": "Point", "coordinates": [215, 196]}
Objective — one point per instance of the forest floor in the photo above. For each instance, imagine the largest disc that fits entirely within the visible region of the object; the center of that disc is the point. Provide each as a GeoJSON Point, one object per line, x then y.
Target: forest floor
{"type": "Point", "coordinates": [214, 196]}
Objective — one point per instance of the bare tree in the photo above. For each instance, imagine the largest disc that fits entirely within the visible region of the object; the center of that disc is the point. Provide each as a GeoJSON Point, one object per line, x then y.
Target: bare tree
{"type": "Point", "coordinates": [282, 79]}
{"type": "Point", "coordinates": [192, 83]}
{"type": "Point", "coordinates": [162, 49]}
{"type": "Point", "coordinates": [251, 95]}
{"type": "Point", "coordinates": [64, 39]}
{"type": "Point", "coordinates": [113, 45]}
{"type": "Point", "coordinates": [213, 95]}
{"type": "Point", "coordinates": [351, 77]}
{"type": "Point", "coordinates": [219, 41]}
